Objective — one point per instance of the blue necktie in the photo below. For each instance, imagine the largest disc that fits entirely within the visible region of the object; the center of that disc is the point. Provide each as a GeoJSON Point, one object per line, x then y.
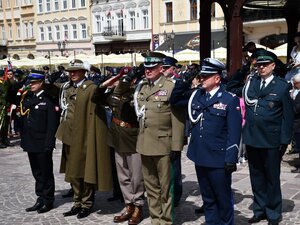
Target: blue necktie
{"type": "Point", "coordinates": [207, 96]}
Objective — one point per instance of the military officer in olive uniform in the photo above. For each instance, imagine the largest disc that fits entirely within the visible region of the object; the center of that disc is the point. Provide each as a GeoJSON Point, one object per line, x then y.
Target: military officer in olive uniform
{"type": "Point", "coordinates": [267, 132]}
{"type": "Point", "coordinates": [83, 132]}
{"type": "Point", "coordinates": [160, 136]}
{"type": "Point", "coordinates": [40, 116]}
{"type": "Point", "coordinates": [123, 137]}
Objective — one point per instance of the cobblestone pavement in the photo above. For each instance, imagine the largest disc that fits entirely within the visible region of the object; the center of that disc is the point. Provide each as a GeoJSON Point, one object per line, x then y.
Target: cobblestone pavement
{"type": "Point", "coordinates": [17, 193]}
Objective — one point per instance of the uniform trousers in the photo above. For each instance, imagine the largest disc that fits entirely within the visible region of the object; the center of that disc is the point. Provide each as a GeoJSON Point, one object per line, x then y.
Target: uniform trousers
{"type": "Point", "coordinates": [176, 165]}
{"type": "Point", "coordinates": [264, 167]}
{"type": "Point", "coordinates": [215, 187]}
{"type": "Point", "coordinates": [84, 193]}
{"type": "Point", "coordinates": [129, 168]}
{"type": "Point", "coordinates": [157, 179]}
{"type": "Point", "coordinates": [41, 165]}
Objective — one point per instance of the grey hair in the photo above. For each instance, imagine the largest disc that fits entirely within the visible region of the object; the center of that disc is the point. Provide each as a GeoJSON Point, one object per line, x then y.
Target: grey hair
{"type": "Point", "coordinates": [296, 77]}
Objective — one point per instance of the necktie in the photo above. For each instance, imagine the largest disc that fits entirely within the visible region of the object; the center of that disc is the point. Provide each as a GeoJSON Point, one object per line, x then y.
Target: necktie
{"type": "Point", "coordinates": [207, 96]}
{"type": "Point", "coordinates": [263, 85]}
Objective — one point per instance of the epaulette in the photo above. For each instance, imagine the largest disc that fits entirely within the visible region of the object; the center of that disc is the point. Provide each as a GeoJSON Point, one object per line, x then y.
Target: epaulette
{"type": "Point", "coordinates": [232, 94]}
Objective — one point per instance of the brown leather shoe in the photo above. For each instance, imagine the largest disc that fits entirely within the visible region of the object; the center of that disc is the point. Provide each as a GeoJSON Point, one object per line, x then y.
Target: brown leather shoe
{"type": "Point", "coordinates": [137, 216]}
{"type": "Point", "coordinates": [126, 214]}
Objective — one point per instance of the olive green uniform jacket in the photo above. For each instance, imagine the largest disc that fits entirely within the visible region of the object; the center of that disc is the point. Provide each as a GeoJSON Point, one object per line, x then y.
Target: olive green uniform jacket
{"type": "Point", "coordinates": [162, 128]}
{"type": "Point", "coordinates": [89, 154]}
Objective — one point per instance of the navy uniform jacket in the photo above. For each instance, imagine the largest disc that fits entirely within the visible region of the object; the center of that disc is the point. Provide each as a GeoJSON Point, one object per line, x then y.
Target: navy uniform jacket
{"type": "Point", "coordinates": [40, 124]}
{"type": "Point", "coordinates": [269, 122]}
{"type": "Point", "coordinates": [215, 138]}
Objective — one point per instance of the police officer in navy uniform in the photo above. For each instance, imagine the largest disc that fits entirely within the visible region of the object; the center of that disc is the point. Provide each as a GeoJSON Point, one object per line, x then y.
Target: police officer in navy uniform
{"type": "Point", "coordinates": [215, 135]}
{"type": "Point", "coordinates": [267, 132]}
{"type": "Point", "coordinates": [40, 113]}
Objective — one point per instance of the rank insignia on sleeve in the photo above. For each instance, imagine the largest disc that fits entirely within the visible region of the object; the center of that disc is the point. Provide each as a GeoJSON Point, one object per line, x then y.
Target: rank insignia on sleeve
{"type": "Point", "coordinates": [162, 93]}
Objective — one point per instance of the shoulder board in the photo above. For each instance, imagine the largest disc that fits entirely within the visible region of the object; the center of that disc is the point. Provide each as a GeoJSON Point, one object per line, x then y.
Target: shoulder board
{"type": "Point", "coordinates": [232, 94]}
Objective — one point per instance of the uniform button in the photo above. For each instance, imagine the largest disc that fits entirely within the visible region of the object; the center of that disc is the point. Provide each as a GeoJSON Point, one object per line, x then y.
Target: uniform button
{"type": "Point", "coordinates": [201, 136]}
{"type": "Point", "coordinates": [256, 114]}
{"type": "Point", "coordinates": [257, 106]}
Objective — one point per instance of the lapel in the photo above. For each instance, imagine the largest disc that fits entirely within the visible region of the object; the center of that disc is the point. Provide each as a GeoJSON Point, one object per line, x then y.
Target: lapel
{"type": "Point", "coordinates": [215, 98]}
{"type": "Point", "coordinates": [269, 87]}
{"type": "Point", "coordinates": [256, 85]}
{"type": "Point", "coordinates": [156, 87]}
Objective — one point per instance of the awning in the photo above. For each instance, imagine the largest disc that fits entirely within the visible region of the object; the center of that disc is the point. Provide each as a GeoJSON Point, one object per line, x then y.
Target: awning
{"type": "Point", "coordinates": [192, 41]}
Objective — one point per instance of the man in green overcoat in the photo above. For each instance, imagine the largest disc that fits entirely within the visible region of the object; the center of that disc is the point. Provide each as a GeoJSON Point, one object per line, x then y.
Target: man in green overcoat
{"type": "Point", "coordinates": [83, 132]}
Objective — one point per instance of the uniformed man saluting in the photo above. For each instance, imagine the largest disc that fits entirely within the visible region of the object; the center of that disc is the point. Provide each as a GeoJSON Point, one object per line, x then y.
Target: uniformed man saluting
{"type": "Point", "coordinates": [159, 136]}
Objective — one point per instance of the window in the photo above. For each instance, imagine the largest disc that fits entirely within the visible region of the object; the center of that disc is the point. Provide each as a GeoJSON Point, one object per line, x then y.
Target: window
{"type": "Point", "coordinates": [26, 34]}
{"type": "Point", "coordinates": [9, 31]}
{"type": "Point", "coordinates": [40, 6]}
{"type": "Point", "coordinates": [83, 31]}
{"type": "Point", "coordinates": [30, 30]}
{"type": "Point", "coordinates": [98, 24]}
{"type": "Point", "coordinates": [132, 20]}
{"type": "Point", "coordinates": [145, 19]}
{"type": "Point", "coordinates": [56, 5]}
{"type": "Point", "coordinates": [1, 4]}
{"type": "Point", "coordinates": [120, 23]}
{"type": "Point", "coordinates": [74, 31]}
{"type": "Point", "coordinates": [73, 4]}
{"type": "Point", "coordinates": [42, 34]}
{"type": "Point", "coordinates": [49, 33]}
{"type": "Point", "coordinates": [17, 2]}
{"type": "Point", "coordinates": [82, 3]}
{"type": "Point", "coordinates": [193, 9]}
{"type": "Point", "coordinates": [169, 12]}
{"type": "Point", "coordinates": [65, 4]}
{"type": "Point", "coordinates": [66, 32]}
{"type": "Point", "coordinates": [8, 4]}
{"type": "Point", "coordinates": [18, 30]}
{"type": "Point", "coordinates": [57, 30]}
{"type": "Point", "coordinates": [108, 20]}
{"type": "Point", "coordinates": [48, 6]}
{"type": "Point", "coordinates": [3, 32]}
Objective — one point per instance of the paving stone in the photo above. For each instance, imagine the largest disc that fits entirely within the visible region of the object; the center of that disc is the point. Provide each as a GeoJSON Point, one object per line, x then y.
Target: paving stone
{"type": "Point", "coordinates": [17, 193]}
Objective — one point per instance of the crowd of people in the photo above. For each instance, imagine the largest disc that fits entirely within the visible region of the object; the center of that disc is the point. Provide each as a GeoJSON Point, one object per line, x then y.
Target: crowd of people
{"type": "Point", "coordinates": [125, 131]}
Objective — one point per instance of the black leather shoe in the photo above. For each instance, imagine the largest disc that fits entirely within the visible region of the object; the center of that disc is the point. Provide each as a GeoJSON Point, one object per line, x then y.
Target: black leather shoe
{"type": "Point", "coordinates": [7, 142]}
{"type": "Point", "coordinates": [36, 206]}
{"type": "Point", "coordinates": [273, 223]}
{"type": "Point", "coordinates": [297, 170]}
{"type": "Point", "coordinates": [74, 211]}
{"type": "Point", "coordinates": [199, 210]}
{"type": "Point", "coordinates": [69, 194]}
{"type": "Point", "coordinates": [3, 145]}
{"type": "Point", "coordinates": [255, 219]}
{"type": "Point", "coordinates": [45, 208]}
{"type": "Point", "coordinates": [83, 213]}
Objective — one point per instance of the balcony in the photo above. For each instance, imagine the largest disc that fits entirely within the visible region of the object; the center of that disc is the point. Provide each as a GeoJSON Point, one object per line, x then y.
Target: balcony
{"type": "Point", "coordinates": [114, 33]}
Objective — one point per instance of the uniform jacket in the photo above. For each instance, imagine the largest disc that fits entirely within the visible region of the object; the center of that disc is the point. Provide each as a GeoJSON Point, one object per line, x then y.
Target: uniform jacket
{"type": "Point", "coordinates": [123, 139]}
{"type": "Point", "coordinates": [162, 127]}
{"type": "Point", "coordinates": [215, 138]}
{"type": "Point", "coordinates": [269, 123]}
{"type": "Point", "coordinates": [40, 124]}
{"type": "Point", "coordinates": [89, 153]}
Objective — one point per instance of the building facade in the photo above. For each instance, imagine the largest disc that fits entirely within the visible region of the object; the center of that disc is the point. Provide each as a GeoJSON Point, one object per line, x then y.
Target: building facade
{"type": "Point", "coordinates": [17, 29]}
{"type": "Point", "coordinates": [176, 25]}
{"type": "Point", "coordinates": [63, 28]}
{"type": "Point", "coordinates": [121, 26]}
